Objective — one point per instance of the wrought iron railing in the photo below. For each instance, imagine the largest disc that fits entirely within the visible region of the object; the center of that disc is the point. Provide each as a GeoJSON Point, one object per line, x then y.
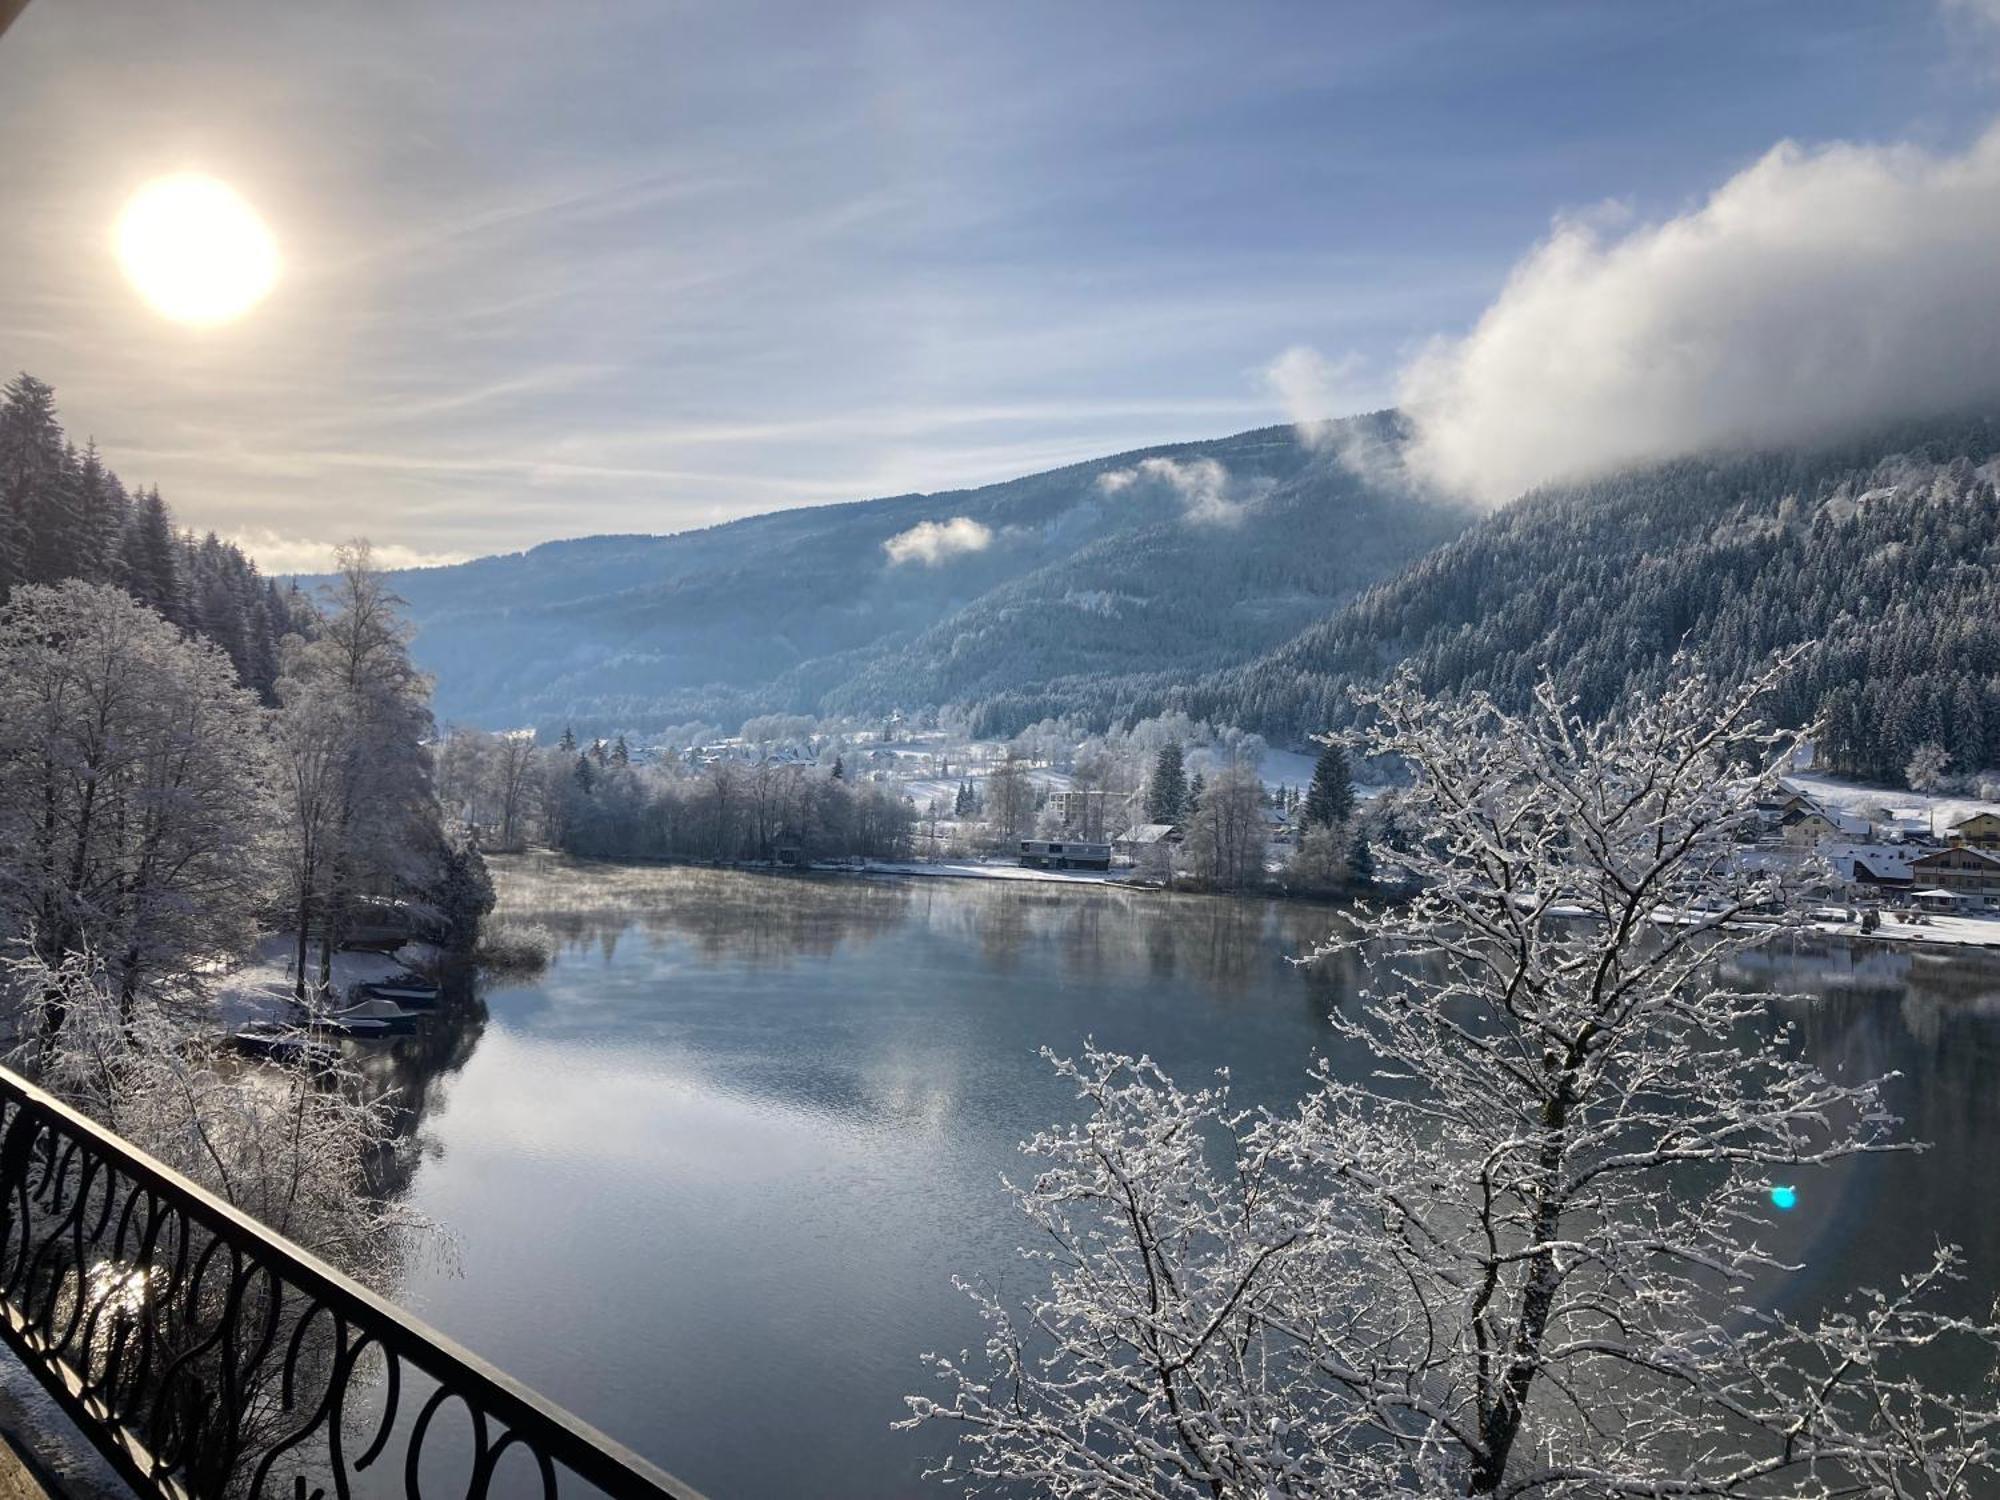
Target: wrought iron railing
{"type": "Point", "coordinates": [207, 1357]}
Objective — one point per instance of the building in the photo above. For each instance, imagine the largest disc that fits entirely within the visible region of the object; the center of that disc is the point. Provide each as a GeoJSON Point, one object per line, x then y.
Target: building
{"type": "Point", "coordinates": [1082, 813]}
{"type": "Point", "coordinates": [1970, 877]}
{"type": "Point", "coordinates": [1980, 831]}
{"type": "Point", "coordinates": [1872, 864]}
{"type": "Point", "coordinates": [1065, 854]}
{"type": "Point", "coordinates": [1142, 838]}
{"type": "Point", "coordinates": [1808, 827]}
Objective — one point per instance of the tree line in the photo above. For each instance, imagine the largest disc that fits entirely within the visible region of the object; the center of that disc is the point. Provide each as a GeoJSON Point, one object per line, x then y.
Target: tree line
{"type": "Point", "coordinates": [192, 759]}
{"type": "Point", "coordinates": [65, 514]}
{"type": "Point", "coordinates": [1885, 568]}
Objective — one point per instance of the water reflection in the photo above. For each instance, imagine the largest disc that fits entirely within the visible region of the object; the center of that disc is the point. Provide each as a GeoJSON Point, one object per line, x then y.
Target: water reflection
{"type": "Point", "coordinates": [713, 1171]}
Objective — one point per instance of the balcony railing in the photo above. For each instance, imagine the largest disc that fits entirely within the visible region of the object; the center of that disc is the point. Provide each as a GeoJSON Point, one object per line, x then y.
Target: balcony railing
{"type": "Point", "coordinates": [207, 1357]}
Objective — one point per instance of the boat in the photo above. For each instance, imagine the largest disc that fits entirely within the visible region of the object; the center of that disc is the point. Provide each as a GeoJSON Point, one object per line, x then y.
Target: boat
{"type": "Point", "coordinates": [403, 989]}
{"type": "Point", "coordinates": [374, 1010]}
{"type": "Point", "coordinates": [283, 1044]}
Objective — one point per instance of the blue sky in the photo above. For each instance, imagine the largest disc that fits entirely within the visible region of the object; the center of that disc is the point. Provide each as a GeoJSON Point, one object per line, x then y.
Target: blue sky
{"type": "Point", "coordinates": [555, 270]}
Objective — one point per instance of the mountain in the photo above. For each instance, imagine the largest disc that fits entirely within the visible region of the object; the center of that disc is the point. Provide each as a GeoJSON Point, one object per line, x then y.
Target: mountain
{"type": "Point", "coordinates": [1880, 554]}
{"type": "Point", "coordinates": [1152, 567]}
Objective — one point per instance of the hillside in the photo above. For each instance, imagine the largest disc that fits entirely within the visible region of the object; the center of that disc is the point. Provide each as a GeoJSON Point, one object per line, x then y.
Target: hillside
{"type": "Point", "coordinates": [1883, 555]}
{"type": "Point", "coordinates": [1165, 564]}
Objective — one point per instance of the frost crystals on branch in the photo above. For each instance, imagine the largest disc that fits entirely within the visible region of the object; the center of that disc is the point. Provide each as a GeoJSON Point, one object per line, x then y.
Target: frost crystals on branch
{"type": "Point", "coordinates": [1523, 1257]}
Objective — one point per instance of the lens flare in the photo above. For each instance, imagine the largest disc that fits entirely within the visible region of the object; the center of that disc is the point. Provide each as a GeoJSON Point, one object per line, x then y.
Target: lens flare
{"type": "Point", "coordinates": [195, 250]}
{"type": "Point", "coordinates": [1785, 1198]}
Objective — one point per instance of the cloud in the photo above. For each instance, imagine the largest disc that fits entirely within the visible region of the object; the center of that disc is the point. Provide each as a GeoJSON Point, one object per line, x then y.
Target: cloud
{"type": "Point", "coordinates": [1815, 291]}
{"type": "Point", "coordinates": [279, 555]}
{"type": "Point", "coordinates": [1313, 389]}
{"type": "Point", "coordinates": [1201, 484]}
{"type": "Point", "coordinates": [935, 542]}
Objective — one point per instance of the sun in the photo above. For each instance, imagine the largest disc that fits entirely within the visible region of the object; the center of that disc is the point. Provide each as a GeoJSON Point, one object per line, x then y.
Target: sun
{"type": "Point", "coordinates": [195, 250]}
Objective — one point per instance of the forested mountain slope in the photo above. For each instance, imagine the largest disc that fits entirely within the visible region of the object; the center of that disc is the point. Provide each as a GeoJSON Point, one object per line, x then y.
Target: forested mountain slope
{"type": "Point", "coordinates": [64, 514]}
{"type": "Point", "coordinates": [1883, 555]}
{"type": "Point", "coordinates": [1177, 560]}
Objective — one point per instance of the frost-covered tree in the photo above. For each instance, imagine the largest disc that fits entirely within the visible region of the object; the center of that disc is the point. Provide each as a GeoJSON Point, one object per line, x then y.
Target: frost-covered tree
{"type": "Point", "coordinates": [1010, 798]}
{"type": "Point", "coordinates": [133, 775]}
{"type": "Point", "coordinates": [354, 719]}
{"type": "Point", "coordinates": [1226, 832]}
{"type": "Point", "coordinates": [1927, 766]}
{"type": "Point", "coordinates": [1521, 1255]}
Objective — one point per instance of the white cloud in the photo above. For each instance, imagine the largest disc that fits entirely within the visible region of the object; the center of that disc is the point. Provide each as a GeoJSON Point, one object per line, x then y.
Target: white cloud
{"type": "Point", "coordinates": [935, 542]}
{"type": "Point", "coordinates": [1313, 389]}
{"type": "Point", "coordinates": [1202, 485]}
{"type": "Point", "coordinates": [279, 555]}
{"type": "Point", "coordinates": [1814, 291]}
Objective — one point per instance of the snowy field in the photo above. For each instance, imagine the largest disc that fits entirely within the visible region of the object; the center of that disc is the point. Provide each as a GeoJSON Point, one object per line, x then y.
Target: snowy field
{"type": "Point", "coordinates": [1849, 797]}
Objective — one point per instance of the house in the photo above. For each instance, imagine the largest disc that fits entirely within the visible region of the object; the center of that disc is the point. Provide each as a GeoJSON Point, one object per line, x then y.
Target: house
{"type": "Point", "coordinates": [1065, 854]}
{"type": "Point", "coordinates": [1970, 877]}
{"type": "Point", "coordinates": [1980, 831]}
{"type": "Point", "coordinates": [1873, 864]}
{"type": "Point", "coordinates": [1807, 827]}
{"type": "Point", "coordinates": [1143, 837]}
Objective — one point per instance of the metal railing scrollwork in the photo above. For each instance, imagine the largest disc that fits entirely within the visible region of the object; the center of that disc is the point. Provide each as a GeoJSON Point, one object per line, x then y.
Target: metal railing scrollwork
{"type": "Point", "coordinates": [208, 1358]}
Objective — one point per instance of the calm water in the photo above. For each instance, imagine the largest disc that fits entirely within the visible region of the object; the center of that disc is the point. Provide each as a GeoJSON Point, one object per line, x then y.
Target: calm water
{"type": "Point", "coordinates": [712, 1173]}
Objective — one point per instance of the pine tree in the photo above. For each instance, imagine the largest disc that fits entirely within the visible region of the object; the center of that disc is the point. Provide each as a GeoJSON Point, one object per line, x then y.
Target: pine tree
{"type": "Point", "coordinates": [567, 744]}
{"type": "Point", "coordinates": [150, 560]}
{"type": "Point", "coordinates": [1195, 788]}
{"type": "Point", "coordinates": [839, 769]}
{"type": "Point", "coordinates": [1167, 792]}
{"type": "Point", "coordinates": [621, 753]}
{"type": "Point", "coordinates": [1330, 801]}
{"type": "Point", "coordinates": [585, 774]}
{"type": "Point", "coordinates": [31, 455]}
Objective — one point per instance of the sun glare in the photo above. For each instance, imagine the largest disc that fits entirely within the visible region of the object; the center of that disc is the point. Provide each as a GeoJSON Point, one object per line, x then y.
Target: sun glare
{"type": "Point", "coordinates": [195, 250]}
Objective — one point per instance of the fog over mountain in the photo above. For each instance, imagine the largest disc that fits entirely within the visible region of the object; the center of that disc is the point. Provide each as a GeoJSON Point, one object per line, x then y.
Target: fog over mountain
{"type": "Point", "coordinates": [1178, 560]}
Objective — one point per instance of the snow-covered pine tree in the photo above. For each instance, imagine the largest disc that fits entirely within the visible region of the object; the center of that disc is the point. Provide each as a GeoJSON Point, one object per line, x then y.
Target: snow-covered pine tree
{"type": "Point", "coordinates": [1330, 798]}
{"type": "Point", "coordinates": [1167, 790]}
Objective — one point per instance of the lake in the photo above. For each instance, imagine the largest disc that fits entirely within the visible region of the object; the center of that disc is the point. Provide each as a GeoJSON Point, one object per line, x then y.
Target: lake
{"type": "Point", "coordinates": [710, 1175]}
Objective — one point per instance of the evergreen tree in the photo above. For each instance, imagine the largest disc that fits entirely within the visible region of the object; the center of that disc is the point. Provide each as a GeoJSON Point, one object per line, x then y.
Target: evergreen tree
{"type": "Point", "coordinates": [585, 775]}
{"type": "Point", "coordinates": [839, 769]}
{"type": "Point", "coordinates": [1167, 792]}
{"type": "Point", "coordinates": [621, 753]}
{"type": "Point", "coordinates": [31, 462]}
{"type": "Point", "coordinates": [1360, 858]}
{"type": "Point", "coordinates": [150, 561]}
{"type": "Point", "coordinates": [1330, 800]}
{"type": "Point", "coordinates": [567, 744]}
{"type": "Point", "coordinates": [1196, 788]}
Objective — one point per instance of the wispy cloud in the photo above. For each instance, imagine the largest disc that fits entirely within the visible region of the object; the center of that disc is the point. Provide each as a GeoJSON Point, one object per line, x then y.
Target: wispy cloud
{"type": "Point", "coordinates": [934, 542]}
{"type": "Point", "coordinates": [1313, 390]}
{"type": "Point", "coordinates": [280, 555]}
{"type": "Point", "coordinates": [1202, 485]}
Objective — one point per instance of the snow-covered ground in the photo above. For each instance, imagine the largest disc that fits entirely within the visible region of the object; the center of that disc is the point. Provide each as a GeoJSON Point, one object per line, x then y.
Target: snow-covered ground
{"type": "Point", "coordinates": [260, 988]}
{"type": "Point", "coordinates": [1912, 807]}
{"type": "Point", "coordinates": [1950, 932]}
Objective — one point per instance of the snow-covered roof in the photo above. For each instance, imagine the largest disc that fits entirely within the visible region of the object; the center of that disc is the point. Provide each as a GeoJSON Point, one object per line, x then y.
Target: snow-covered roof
{"type": "Point", "coordinates": [1146, 833]}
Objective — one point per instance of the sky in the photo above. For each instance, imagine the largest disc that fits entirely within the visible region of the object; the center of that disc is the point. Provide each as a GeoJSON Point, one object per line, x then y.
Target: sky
{"type": "Point", "coordinates": [637, 266]}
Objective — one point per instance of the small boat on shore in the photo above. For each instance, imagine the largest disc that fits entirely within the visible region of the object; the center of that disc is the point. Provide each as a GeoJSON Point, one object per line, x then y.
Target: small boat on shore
{"type": "Point", "coordinates": [379, 1017]}
{"type": "Point", "coordinates": [285, 1045]}
{"type": "Point", "coordinates": [404, 989]}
